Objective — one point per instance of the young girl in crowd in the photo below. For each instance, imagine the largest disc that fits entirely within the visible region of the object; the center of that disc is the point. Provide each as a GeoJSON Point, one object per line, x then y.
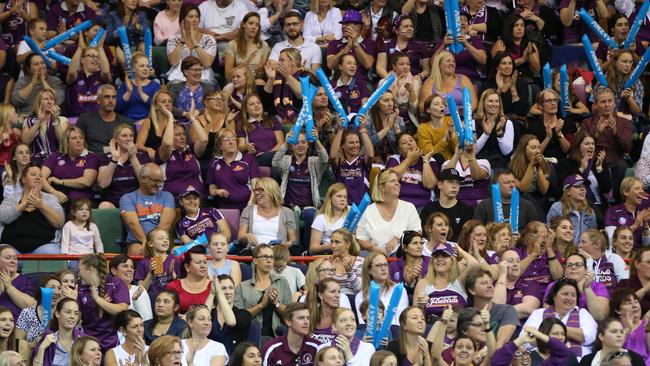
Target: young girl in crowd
{"type": "Point", "coordinates": [8, 340]}
{"type": "Point", "coordinates": [166, 321]}
{"type": "Point", "coordinates": [330, 218]}
{"type": "Point", "coordinates": [199, 220]}
{"type": "Point", "coordinates": [158, 268]}
{"type": "Point", "coordinates": [218, 247]}
{"type": "Point", "coordinates": [352, 92]}
{"type": "Point", "coordinates": [351, 164]}
{"type": "Point", "coordinates": [81, 235]}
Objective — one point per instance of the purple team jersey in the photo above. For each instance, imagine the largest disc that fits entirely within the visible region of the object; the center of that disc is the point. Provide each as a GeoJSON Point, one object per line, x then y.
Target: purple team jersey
{"type": "Point", "coordinates": [277, 352]}
{"type": "Point", "coordinates": [82, 94]}
{"type": "Point", "coordinates": [412, 189]}
{"type": "Point", "coordinates": [205, 222]}
{"type": "Point", "coordinates": [368, 45]}
{"type": "Point", "coordinates": [299, 185]}
{"type": "Point", "coordinates": [599, 290]}
{"type": "Point", "coordinates": [352, 94]}
{"type": "Point", "coordinates": [439, 299]}
{"type": "Point", "coordinates": [23, 284]}
{"type": "Point", "coordinates": [573, 33]}
{"type": "Point", "coordinates": [522, 289]}
{"type": "Point", "coordinates": [235, 178]}
{"type": "Point", "coordinates": [263, 137]}
{"type": "Point", "coordinates": [182, 171]}
{"type": "Point", "coordinates": [158, 282]}
{"type": "Point", "coordinates": [396, 269]}
{"type": "Point", "coordinates": [538, 271]}
{"type": "Point", "coordinates": [116, 292]}
{"type": "Point", "coordinates": [618, 215]}
{"type": "Point", "coordinates": [124, 178]}
{"type": "Point", "coordinates": [59, 13]}
{"type": "Point", "coordinates": [415, 50]}
{"type": "Point", "coordinates": [354, 175]}
{"type": "Point", "coordinates": [63, 167]}
{"type": "Point", "coordinates": [323, 336]}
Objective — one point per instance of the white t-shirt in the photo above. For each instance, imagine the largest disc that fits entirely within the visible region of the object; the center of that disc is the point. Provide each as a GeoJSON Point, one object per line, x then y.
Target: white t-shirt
{"type": "Point", "coordinates": [207, 43]}
{"type": "Point", "coordinates": [620, 269]}
{"type": "Point", "coordinates": [294, 276]}
{"type": "Point", "coordinates": [309, 52]}
{"type": "Point", "coordinates": [204, 355]}
{"type": "Point", "coordinates": [221, 20]}
{"type": "Point", "coordinates": [265, 230]}
{"type": "Point", "coordinates": [373, 228]}
{"type": "Point", "coordinates": [320, 223]}
{"type": "Point", "coordinates": [384, 297]}
{"type": "Point", "coordinates": [330, 25]}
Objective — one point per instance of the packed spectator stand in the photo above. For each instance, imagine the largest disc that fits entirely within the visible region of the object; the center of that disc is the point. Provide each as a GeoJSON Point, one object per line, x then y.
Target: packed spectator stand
{"type": "Point", "coordinates": [352, 182]}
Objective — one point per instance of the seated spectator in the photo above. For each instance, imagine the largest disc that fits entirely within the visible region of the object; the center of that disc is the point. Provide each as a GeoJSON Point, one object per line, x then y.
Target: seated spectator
{"type": "Point", "coordinates": [122, 268]}
{"type": "Point", "coordinates": [88, 350]}
{"type": "Point", "coordinates": [513, 290]}
{"type": "Point", "coordinates": [118, 169]}
{"type": "Point", "coordinates": [34, 79]}
{"type": "Point", "coordinates": [438, 135]}
{"type": "Point", "coordinates": [266, 295]}
{"type": "Point", "coordinates": [37, 31]}
{"type": "Point", "coordinates": [523, 51]}
{"type": "Point", "coordinates": [220, 265]}
{"type": "Point", "coordinates": [630, 100]}
{"type": "Point", "coordinates": [531, 170]}
{"type": "Point", "coordinates": [384, 123]}
{"type": "Point", "coordinates": [417, 171]}
{"type": "Point", "coordinates": [562, 301]}
{"type": "Point", "coordinates": [330, 217]}
{"type": "Point", "coordinates": [125, 322]}
{"type": "Point", "coordinates": [166, 23]}
{"type": "Point", "coordinates": [473, 239]}
{"type": "Point", "coordinates": [66, 14]}
{"type": "Point", "coordinates": [294, 276]}
{"type": "Point", "coordinates": [112, 54]}
{"type": "Point", "coordinates": [88, 70]}
{"type": "Point", "coordinates": [419, 53]}
{"type": "Point", "coordinates": [554, 349]}
{"type": "Point", "coordinates": [193, 287]}
{"type": "Point", "coordinates": [101, 296]}
{"type": "Point", "coordinates": [351, 163]}
{"type": "Point", "coordinates": [14, 25]}
{"type": "Point", "coordinates": [146, 208]}
{"type": "Point", "coordinates": [231, 174]}
{"type": "Point", "coordinates": [152, 129]}
{"type": "Point", "coordinates": [20, 158]}
{"type": "Point", "coordinates": [43, 129]}
{"type": "Point", "coordinates": [499, 239]}
{"type": "Point", "coordinates": [613, 134]}
{"type": "Point", "coordinates": [346, 261]}
{"type": "Point", "coordinates": [351, 42]}
{"type": "Point", "coordinates": [165, 321]}
{"type": "Point", "coordinates": [619, 28]}
{"type": "Point", "coordinates": [134, 98]}
{"type": "Point", "coordinates": [623, 239]}
{"type": "Point", "coordinates": [100, 127]}
{"type": "Point", "coordinates": [475, 173]}
{"type": "Point", "coordinates": [319, 270]}
{"type": "Point", "coordinates": [9, 134]}
{"type": "Point", "coordinates": [31, 219]}
{"type": "Point", "coordinates": [191, 42]}
{"type": "Point", "coordinates": [576, 110]}
{"type": "Point", "coordinates": [445, 81]}
{"type": "Point", "coordinates": [639, 277]}
{"type": "Point", "coordinates": [472, 60]}
{"type": "Point", "coordinates": [241, 84]}
{"type": "Point", "coordinates": [608, 348]}
{"type": "Point", "coordinates": [310, 53]}
{"type": "Point", "coordinates": [321, 308]}
{"type": "Point", "coordinates": [157, 268]}
{"type": "Point", "coordinates": [221, 21]}
{"type": "Point", "coordinates": [584, 161]}
{"type": "Point", "coordinates": [510, 84]}
{"type": "Point", "coordinates": [258, 134]}
{"type": "Point", "coordinates": [266, 221]}
{"type": "Point", "coordinates": [548, 128]}
{"type": "Point", "coordinates": [62, 331]}
{"type": "Point", "coordinates": [215, 116]}
{"type": "Point", "coordinates": [230, 324]}
{"type": "Point", "coordinates": [539, 262]}
{"type": "Point", "coordinates": [283, 84]}
{"type": "Point", "coordinates": [297, 320]}
{"type": "Point", "coordinates": [197, 220]}
{"type": "Point", "coordinates": [198, 347]}
{"type": "Point", "coordinates": [435, 229]}
{"type": "Point", "coordinates": [428, 31]}
{"type": "Point", "coordinates": [80, 235]}
{"type": "Point", "coordinates": [410, 346]}
{"type": "Point", "coordinates": [575, 204]}
{"type": "Point", "coordinates": [247, 49]}
{"type": "Point", "coordinates": [540, 17]}
{"type": "Point", "coordinates": [631, 213]}
{"type": "Point", "coordinates": [496, 133]}
{"type": "Point", "coordinates": [344, 324]}
{"type": "Point", "coordinates": [484, 19]}
{"type": "Point", "coordinates": [385, 220]}
{"type": "Point", "coordinates": [563, 243]}
{"type": "Point", "coordinates": [70, 173]}
{"type": "Point", "coordinates": [193, 90]}
{"type": "Point", "coordinates": [625, 306]}
{"type": "Point", "coordinates": [411, 265]}
{"type": "Point", "coordinates": [28, 322]}
{"type": "Point", "coordinates": [323, 23]}
{"type": "Point", "coordinates": [128, 15]}
{"type": "Point", "coordinates": [609, 268]}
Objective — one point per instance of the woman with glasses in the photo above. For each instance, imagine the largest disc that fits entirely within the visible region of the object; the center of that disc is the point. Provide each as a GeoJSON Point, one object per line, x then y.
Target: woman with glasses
{"type": "Point", "coordinates": [230, 324]}
{"type": "Point", "coordinates": [231, 174]}
{"type": "Point", "coordinates": [266, 220]}
{"type": "Point", "coordinates": [548, 128]}
{"type": "Point", "coordinates": [266, 295]}
{"type": "Point", "coordinates": [563, 304]}
{"type": "Point", "coordinates": [319, 270]}
{"type": "Point", "coordinates": [594, 295]}
{"type": "Point", "coordinates": [193, 90]}
{"type": "Point", "coordinates": [198, 349]}
{"type": "Point", "coordinates": [88, 70]}
{"type": "Point", "coordinates": [512, 290]}
{"type": "Point", "coordinates": [135, 95]}
{"type": "Point", "coordinates": [625, 306]}
{"type": "Point", "coordinates": [517, 352]}
{"type": "Point", "coordinates": [194, 285]}
{"type": "Point", "coordinates": [165, 351]}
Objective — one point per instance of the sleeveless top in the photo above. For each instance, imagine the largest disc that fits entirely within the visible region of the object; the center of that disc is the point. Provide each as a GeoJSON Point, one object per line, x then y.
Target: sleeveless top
{"type": "Point", "coordinates": [456, 93]}
{"type": "Point", "coordinates": [121, 355]}
{"type": "Point", "coordinates": [225, 270]}
{"type": "Point", "coordinates": [153, 141]}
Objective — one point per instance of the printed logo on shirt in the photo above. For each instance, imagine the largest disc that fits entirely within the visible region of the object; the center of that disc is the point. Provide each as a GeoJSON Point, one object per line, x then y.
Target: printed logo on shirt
{"type": "Point", "coordinates": [218, 167]}
{"type": "Point", "coordinates": [61, 162]}
{"type": "Point", "coordinates": [230, 21]}
{"type": "Point", "coordinates": [354, 94]}
{"type": "Point", "coordinates": [622, 221]}
{"type": "Point", "coordinates": [238, 168]}
{"type": "Point", "coordinates": [87, 98]}
{"type": "Point", "coordinates": [81, 163]}
{"type": "Point", "coordinates": [439, 301]}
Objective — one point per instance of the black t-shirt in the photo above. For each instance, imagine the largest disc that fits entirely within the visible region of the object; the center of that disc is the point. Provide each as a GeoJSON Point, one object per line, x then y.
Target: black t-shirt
{"type": "Point", "coordinates": [28, 232]}
{"type": "Point", "coordinates": [99, 133]}
{"type": "Point", "coordinates": [424, 31]}
{"type": "Point", "coordinates": [458, 215]}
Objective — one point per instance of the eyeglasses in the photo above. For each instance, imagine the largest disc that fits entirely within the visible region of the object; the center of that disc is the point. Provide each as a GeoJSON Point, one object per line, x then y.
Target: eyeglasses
{"type": "Point", "coordinates": [380, 265]}
{"type": "Point", "coordinates": [265, 257]}
{"type": "Point", "coordinates": [157, 181]}
{"type": "Point", "coordinates": [575, 265]}
{"type": "Point", "coordinates": [522, 354]}
{"type": "Point", "coordinates": [328, 270]}
{"type": "Point", "coordinates": [196, 69]}
{"type": "Point", "coordinates": [615, 355]}
{"type": "Point", "coordinates": [258, 190]}
{"type": "Point", "coordinates": [551, 101]}
{"type": "Point", "coordinates": [229, 139]}
{"type": "Point", "coordinates": [92, 56]}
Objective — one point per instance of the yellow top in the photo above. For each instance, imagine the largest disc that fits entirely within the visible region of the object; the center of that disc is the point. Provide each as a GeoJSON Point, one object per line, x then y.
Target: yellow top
{"type": "Point", "coordinates": [433, 139]}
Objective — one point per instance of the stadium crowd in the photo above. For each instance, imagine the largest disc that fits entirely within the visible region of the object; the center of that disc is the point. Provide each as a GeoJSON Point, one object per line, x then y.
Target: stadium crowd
{"type": "Point", "coordinates": [503, 214]}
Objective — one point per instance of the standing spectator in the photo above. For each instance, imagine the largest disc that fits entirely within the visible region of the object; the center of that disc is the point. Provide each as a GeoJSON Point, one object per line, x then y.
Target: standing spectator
{"type": "Point", "coordinates": [34, 79]}
{"type": "Point", "coordinates": [129, 16]}
{"type": "Point", "coordinates": [351, 162]}
{"type": "Point", "coordinates": [146, 208]}
{"type": "Point", "coordinates": [221, 20]}
{"type": "Point", "coordinates": [323, 22]}
{"type": "Point", "coordinates": [66, 14]}
{"type": "Point", "coordinates": [496, 133]}
{"type": "Point", "coordinates": [80, 235]}
{"type": "Point", "coordinates": [352, 42]}
{"type": "Point", "coordinates": [248, 48]}
{"type": "Point", "coordinates": [312, 56]}
{"type": "Point", "coordinates": [88, 70]}
{"type": "Point", "coordinates": [279, 351]}
{"type": "Point", "coordinates": [43, 129]}
{"type": "Point", "coordinates": [99, 127]}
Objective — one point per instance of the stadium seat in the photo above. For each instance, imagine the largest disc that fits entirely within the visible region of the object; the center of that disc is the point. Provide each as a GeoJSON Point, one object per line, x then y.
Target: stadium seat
{"type": "Point", "coordinates": [161, 64]}
{"type": "Point", "coordinates": [246, 271]}
{"type": "Point", "coordinates": [110, 226]}
{"type": "Point", "coordinates": [255, 334]}
{"type": "Point", "coordinates": [232, 217]}
{"type": "Point", "coordinates": [265, 171]}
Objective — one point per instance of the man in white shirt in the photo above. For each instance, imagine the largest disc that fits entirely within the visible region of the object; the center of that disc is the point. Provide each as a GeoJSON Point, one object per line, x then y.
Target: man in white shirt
{"type": "Point", "coordinates": [312, 56]}
{"type": "Point", "coordinates": [221, 19]}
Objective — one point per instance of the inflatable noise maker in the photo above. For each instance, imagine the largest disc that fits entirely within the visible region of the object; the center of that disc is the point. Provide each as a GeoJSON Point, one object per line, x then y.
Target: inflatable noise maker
{"type": "Point", "coordinates": [640, 17]}
{"type": "Point", "coordinates": [126, 48]}
{"type": "Point", "coordinates": [564, 91]}
{"type": "Point", "coordinates": [46, 296]}
{"type": "Point", "coordinates": [373, 312]}
{"type": "Point", "coordinates": [452, 17]}
{"type": "Point", "coordinates": [148, 45]}
{"type": "Point", "coordinates": [354, 215]}
{"type": "Point", "coordinates": [455, 117]}
{"type": "Point", "coordinates": [593, 61]}
{"type": "Point", "coordinates": [374, 98]}
{"type": "Point", "coordinates": [595, 27]}
{"type": "Point", "coordinates": [54, 41]}
{"type": "Point", "coordinates": [548, 80]}
{"type": "Point", "coordinates": [467, 116]}
{"type": "Point", "coordinates": [497, 205]}
{"type": "Point", "coordinates": [331, 95]}
{"type": "Point", "coordinates": [636, 73]}
{"type": "Point", "coordinates": [98, 37]}
{"type": "Point", "coordinates": [305, 117]}
{"type": "Point", "coordinates": [201, 240]}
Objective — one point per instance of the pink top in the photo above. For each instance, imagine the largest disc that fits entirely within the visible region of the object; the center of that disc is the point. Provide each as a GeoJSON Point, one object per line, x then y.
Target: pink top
{"type": "Point", "coordinates": [164, 28]}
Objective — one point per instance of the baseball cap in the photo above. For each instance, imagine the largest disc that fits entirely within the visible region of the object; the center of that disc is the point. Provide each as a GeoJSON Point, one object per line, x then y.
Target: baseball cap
{"type": "Point", "coordinates": [450, 174]}
{"type": "Point", "coordinates": [189, 190]}
{"type": "Point", "coordinates": [445, 248]}
{"type": "Point", "coordinates": [352, 16]}
{"type": "Point", "coordinates": [575, 180]}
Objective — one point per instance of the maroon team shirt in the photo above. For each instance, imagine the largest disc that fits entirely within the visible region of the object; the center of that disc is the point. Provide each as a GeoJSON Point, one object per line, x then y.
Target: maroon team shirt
{"type": "Point", "coordinates": [235, 178]}
{"type": "Point", "coordinates": [124, 179]}
{"type": "Point", "coordinates": [63, 167]}
{"type": "Point", "coordinates": [277, 352]}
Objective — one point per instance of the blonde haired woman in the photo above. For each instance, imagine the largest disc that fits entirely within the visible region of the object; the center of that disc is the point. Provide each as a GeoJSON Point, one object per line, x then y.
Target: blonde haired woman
{"type": "Point", "coordinates": [319, 270]}
{"type": "Point", "coordinates": [445, 81]}
{"type": "Point", "coordinates": [247, 49]}
{"type": "Point", "coordinates": [151, 131]}
{"type": "Point", "coordinates": [9, 134]}
{"type": "Point", "coordinates": [632, 212]}
{"type": "Point", "coordinates": [575, 205]}
{"type": "Point", "coordinates": [198, 350]}
{"type": "Point", "coordinates": [330, 218]}
{"type": "Point", "coordinates": [85, 352]}
{"type": "Point", "coordinates": [43, 129]}
{"type": "Point", "coordinates": [495, 132]}
{"type": "Point", "coordinates": [346, 260]}
{"type": "Point", "coordinates": [266, 220]}
{"type": "Point", "coordinates": [322, 22]}
{"type": "Point", "coordinates": [375, 268]}
{"type": "Point", "coordinates": [384, 221]}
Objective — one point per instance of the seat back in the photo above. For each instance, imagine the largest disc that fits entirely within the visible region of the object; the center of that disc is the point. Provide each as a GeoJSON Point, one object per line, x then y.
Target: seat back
{"type": "Point", "coordinates": [246, 271]}
{"type": "Point", "coordinates": [255, 334]}
{"type": "Point", "coordinates": [111, 229]}
{"type": "Point", "coordinates": [265, 171]}
{"type": "Point", "coordinates": [232, 217]}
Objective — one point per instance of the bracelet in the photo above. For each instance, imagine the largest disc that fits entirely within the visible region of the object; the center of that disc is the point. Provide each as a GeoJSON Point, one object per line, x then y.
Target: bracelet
{"type": "Point", "coordinates": [552, 258]}
{"type": "Point", "coordinates": [114, 161]}
{"type": "Point", "coordinates": [62, 182]}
